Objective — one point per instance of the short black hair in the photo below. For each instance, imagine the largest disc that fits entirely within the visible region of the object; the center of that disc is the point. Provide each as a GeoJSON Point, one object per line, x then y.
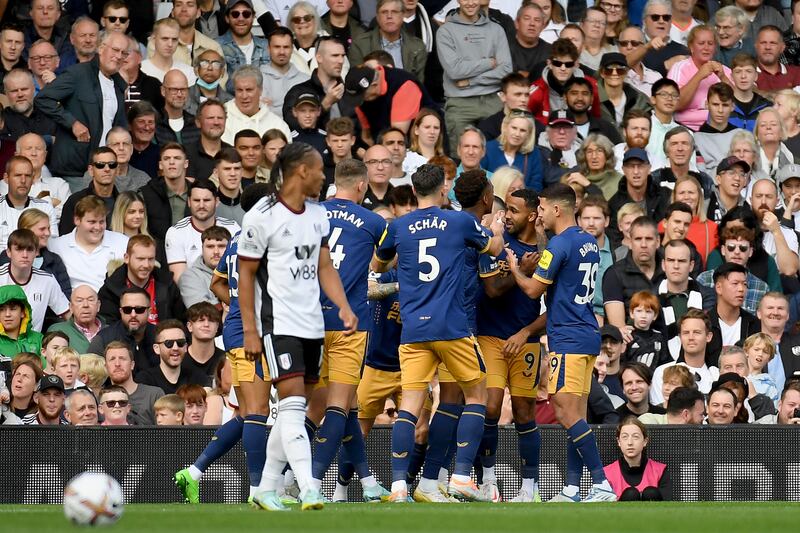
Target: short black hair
{"type": "Point", "coordinates": [134, 290]}
{"type": "Point", "coordinates": [202, 184]}
{"type": "Point", "coordinates": [402, 195]}
{"type": "Point", "coordinates": [726, 269]}
{"type": "Point", "coordinates": [427, 179]}
{"type": "Point", "coordinates": [683, 398]}
{"type": "Point", "coordinates": [470, 186]}
{"type": "Point", "coordinates": [252, 194]}
{"type": "Point", "coordinates": [560, 193]}
{"type": "Point", "coordinates": [280, 31]}
{"type": "Point", "coordinates": [664, 82]}
{"type": "Point", "coordinates": [683, 207]}
{"type": "Point", "coordinates": [530, 197]}
{"type": "Point", "coordinates": [578, 80]}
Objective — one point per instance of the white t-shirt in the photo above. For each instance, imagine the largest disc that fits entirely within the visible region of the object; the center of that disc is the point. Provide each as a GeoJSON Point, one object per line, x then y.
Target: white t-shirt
{"type": "Point", "coordinates": [42, 291]}
{"type": "Point", "coordinates": [730, 334]}
{"type": "Point", "coordinates": [176, 124]}
{"type": "Point", "coordinates": [183, 243]}
{"type": "Point", "coordinates": [769, 241]}
{"type": "Point", "coordinates": [151, 70]}
{"type": "Point", "coordinates": [9, 216]}
{"type": "Point", "coordinates": [248, 50]}
{"type": "Point", "coordinates": [88, 267]}
{"type": "Point", "coordinates": [110, 105]}
{"type": "Point", "coordinates": [287, 245]}
{"type": "Point", "coordinates": [681, 35]}
{"type": "Point", "coordinates": [704, 377]}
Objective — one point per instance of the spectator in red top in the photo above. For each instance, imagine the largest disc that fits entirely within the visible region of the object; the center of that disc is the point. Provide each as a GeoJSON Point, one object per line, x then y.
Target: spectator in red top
{"type": "Point", "coordinates": [772, 74]}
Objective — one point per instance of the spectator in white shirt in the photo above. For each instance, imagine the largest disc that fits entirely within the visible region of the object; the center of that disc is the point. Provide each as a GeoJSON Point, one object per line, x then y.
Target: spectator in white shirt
{"type": "Point", "coordinates": [183, 242]}
{"type": "Point", "coordinates": [87, 250]}
{"type": "Point", "coordinates": [18, 179]}
{"type": "Point", "coordinates": [195, 282]}
{"type": "Point", "coordinates": [40, 287]}
{"type": "Point", "coordinates": [779, 241]}
{"type": "Point", "coordinates": [246, 111]}
{"type": "Point", "coordinates": [639, 76]}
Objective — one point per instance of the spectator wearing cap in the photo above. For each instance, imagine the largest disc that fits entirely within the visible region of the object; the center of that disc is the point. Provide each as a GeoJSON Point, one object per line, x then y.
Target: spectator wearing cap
{"type": "Point", "coordinates": [779, 241]}
{"type": "Point", "coordinates": [637, 185]}
{"type": "Point", "coordinates": [612, 347]}
{"type": "Point", "coordinates": [239, 45]}
{"type": "Point", "coordinates": [246, 110]}
{"type": "Point", "coordinates": [16, 323]}
{"type": "Point", "coordinates": [209, 67]}
{"type": "Point", "coordinates": [408, 51]}
{"type": "Point", "coordinates": [730, 180]}
{"type": "Point", "coordinates": [559, 145]}
{"type": "Point", "coordinates": [475, 56]}
{"type": "Point", "coordinates": [638, 271]}
{"type": "Point", "coordinates": [280, 74]}
{"type": "Point", "coordinates": [550, 91]}
{"type": "Point", "coordinates": [517, 142]}
{"type": "Point", "coordinates": [384, 97]}
{"type": "Point", "coordinates": [730, 323]}
{"type": "Point", "coordinates": [175, 124]}
{"type": "Point", "coordinates": [695, 334]}
{"type": "Point", "coordinates": [80, 408]}
{"type": "Point", "coordinates": [581, 99]}
{"type": "Point", "coordinates": [788, 178]}
{"type": "Point", "coordinates": [49, 398]}
{"type": "Point", "coordinates": [306, 113]}
{"type": "Point", "coordinates": [616, 96]}
{"type": "Point", "coordinates": [737, 247]}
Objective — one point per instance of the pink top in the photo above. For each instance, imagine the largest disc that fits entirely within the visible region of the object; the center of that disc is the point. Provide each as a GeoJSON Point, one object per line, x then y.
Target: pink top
{"type": "Point", "coordinates": [696, 113]}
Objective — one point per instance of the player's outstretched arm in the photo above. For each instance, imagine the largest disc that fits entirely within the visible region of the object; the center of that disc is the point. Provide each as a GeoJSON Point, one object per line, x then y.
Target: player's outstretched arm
{"type": "Point", "coordinates": [379, 291]}
{"type": "Point", "coordinates": [530, 286]}
{"type": "Point", "coordinates": [247, 305]}
{"type": "Point", "coordinates": [219, 286]}
{"type": "Point", "coordinates": [332, 285]}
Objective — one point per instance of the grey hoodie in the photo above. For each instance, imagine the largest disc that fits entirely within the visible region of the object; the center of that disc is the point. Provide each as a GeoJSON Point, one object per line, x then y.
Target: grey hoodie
{"type": "Point", "coordinates": [465, 49]}
{"type": "Point", "coordinates": [195, 284]}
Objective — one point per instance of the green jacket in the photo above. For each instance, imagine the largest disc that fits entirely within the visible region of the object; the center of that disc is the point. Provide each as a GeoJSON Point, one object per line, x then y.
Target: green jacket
{"type": "Point", "coordinates": [27, 340]}
{"type": "Point", "coordinates": [77, 339]}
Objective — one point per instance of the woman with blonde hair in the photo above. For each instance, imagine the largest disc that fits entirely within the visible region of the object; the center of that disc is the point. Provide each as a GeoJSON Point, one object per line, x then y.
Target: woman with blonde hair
{"type": "Point", "coordinates": [596, 162]}
{"type": "Point", "coordinates": [426, 134]}
{"type": "Point", "coordinates": [787, 103]}
{"type": "Point", "coordinates": [745, 147]}
{"type": "Point", "coordinates": [304, 21]}
{"type": "Point", "coordinates": [702, 232]}
{"type": "Point", "coordinates": [506, 180]}
{"type": "Point", "coordinates": [39, 223]}
{"type": "Point", "coordinates": [773, 153]}
{"type": "Point", "coordinates": [516, 146]}
{"type": "Point", "coordinates": [130, 215]}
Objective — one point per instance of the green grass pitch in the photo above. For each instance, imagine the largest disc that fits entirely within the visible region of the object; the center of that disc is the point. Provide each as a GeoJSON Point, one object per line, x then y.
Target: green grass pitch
{"type": "Point", "coordinates": [670, 517]}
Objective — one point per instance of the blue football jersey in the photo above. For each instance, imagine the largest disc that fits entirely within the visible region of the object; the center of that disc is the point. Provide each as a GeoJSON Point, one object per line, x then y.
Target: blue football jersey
{"type": "Point", "coordinates": [355, 232]}
{"type": "Point", "coordinates": [232, 330]}
{"type": "Point", "coordinates": [384, 338]}
{"type": "Point", "coordinates": [430, 244]}
{"type": "Point", "coordinates": [569, 265]}
{"type": "Point", "coordinates": [476, 266]}
{"type": "Point", "coordinates": [505, 315]}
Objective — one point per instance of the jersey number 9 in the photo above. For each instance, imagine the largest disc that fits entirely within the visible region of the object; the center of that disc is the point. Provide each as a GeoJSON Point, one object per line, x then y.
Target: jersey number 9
{"type": "Point", "coordinates": [589, 279]}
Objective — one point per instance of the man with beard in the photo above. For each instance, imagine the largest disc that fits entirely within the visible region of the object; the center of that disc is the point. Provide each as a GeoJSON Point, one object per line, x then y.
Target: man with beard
{"type": "Point", "coordinates": [780, 242]}
{"type": "Point", "coordinates": [132, 329]}
{"type": "Point", "coordinates": [183, 240]}
{"type": "Point", "coordinates": [239, 45]}
{"type": "Point", "coordinates": [120, 366]}
{"type": "Point", "coordinates": [638, 186]}
{"type": "Point", "coordinates": [636, 130]}
{"type": "Point", "coordinates": [20, 117]}
{"type": "Point", "coordinates": [593, 218]}
{"type": "Point", "coordinates": [280, 74]}
{"type": "Point", "coordinates": [49, 398]}
{"type": "Point", "coordinates": [579, 95]}
{"type": "Point", "coordinates": [175, 124]}
{"type": "Point", "coordinates": [170, 347]}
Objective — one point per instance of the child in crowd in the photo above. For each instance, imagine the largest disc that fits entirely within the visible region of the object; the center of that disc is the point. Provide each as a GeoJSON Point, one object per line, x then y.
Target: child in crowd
{"type": "Point", "coordinates": [170, 410]}
{"type": "Point", "coordinates": [66, 365]}
{"type": "Point", "coordinates": [50, 343]}
{"type": "Point", "coordinates": [760, 349]}
{"type": "Point", "coordinates": [194, 398]}
{"type": "Point", "coordinates": [674, 377]}
{"type": "Point", "coordinates": [648, 345]}
{"type": "Point", "coordinates": [93, 372]}
{"type": "Point", "coordinates": [114, 406]}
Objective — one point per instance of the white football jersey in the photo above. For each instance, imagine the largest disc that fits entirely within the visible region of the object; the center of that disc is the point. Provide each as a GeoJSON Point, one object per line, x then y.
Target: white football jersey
{"type": "Point", "coordinates": [42, 291]}
{"type": "Point", "coordinates": [183, 244]}
{"type": "Point", "coordinates": [9, 216]}
{"type": "Point", "coordinates": [287, 245]}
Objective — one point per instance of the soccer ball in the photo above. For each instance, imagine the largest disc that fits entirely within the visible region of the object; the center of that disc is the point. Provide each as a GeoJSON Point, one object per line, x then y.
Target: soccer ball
{"type": "Point", "coordinates": [93, 499]}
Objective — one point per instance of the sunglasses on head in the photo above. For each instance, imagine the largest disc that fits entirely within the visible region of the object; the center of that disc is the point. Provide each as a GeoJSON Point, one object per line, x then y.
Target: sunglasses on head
{"type": "Point", "coordinates": [104, 164]}
{"type": "Point", "coordinates": [116, 403]}
{"type": "Point", "coordinates": [113, 20]}
{"type": "Point", "coordinates": [558, 64]}
{"type": "Point", "coordinates": [169, 343]}
{"type": "Point", "coordinates": [656, 18]}
{"type": "Point", "coordinates": [246, 14]}
{"type": "Point", "coordinates": [302, 18]}
{"type": "Point", "coordinates": [130, 309]}
{"type": "Point", "coordinates": [742, 247]}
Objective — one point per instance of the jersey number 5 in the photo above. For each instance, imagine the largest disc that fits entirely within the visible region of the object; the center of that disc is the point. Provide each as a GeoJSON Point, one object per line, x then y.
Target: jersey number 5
{"type": "Point", "coordinates": [426, 258]}
{"type": "Point", "coordinates": [589, 279]}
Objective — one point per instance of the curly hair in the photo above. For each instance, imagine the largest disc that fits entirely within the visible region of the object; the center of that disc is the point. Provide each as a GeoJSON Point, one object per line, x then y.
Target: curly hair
{"type": "Point", "coordinates": [602, 142]}
{"type": "Point", "coordinates": [470, 186]}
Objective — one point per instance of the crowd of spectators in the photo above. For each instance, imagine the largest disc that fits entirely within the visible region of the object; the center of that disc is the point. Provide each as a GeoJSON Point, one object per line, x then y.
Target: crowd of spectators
{"type": "Point", "coordinates": [130, 129]}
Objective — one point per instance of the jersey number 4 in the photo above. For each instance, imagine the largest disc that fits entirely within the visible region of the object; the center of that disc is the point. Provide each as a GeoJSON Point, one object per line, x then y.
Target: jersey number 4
{"type": "Point", "coordinates": [425, 258]}
{"type": "Point", "coordinates": [337, 250]}
{"type": "Point", "coordinates": [589, 279]}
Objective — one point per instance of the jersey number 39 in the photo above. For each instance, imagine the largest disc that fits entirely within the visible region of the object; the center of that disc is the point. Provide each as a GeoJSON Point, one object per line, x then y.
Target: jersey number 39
{"type": "Point", "coordinates": [589, 279]}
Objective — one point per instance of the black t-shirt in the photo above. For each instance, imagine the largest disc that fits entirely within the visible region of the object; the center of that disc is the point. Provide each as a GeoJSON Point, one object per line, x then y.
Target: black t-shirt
{"type": "Point", "coordinates": [527, 59]}
{"type": "Point", "coordinates": [208, 369]}
{"type": "Point", "coordinates": [343, 34]}
{"type": "Point", "coordinates": [655, 59]}
{"type": "Point", "coordinates": [154, 376]}
{"type": "Point", "coordinates": [624, 410]}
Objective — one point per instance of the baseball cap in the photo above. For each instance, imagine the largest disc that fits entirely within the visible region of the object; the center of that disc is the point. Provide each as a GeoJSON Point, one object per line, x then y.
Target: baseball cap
{"type": "Point", "coordinates": [356, 83]}
{"type": "Point", "coordinates": [613, 58]}
{"type": "Point", "coordinates": [611, 331]}
{"type": "Point", "coordinates": [730, 377]}
{"type": "Point", "coordinates": [50, 382]}
{"type": "Point", "coordinates": [787, 172]}
{"type": "Point", "coordinates": [636, 153]}
{"type": "Point", "coordinates": [561, 116]}
{"type": "Point", "coordinates": [234, 3]}
{"type": "Point", "coordinates": [730, 162]}
{"type": "Point", "coordinates": [308, 98]}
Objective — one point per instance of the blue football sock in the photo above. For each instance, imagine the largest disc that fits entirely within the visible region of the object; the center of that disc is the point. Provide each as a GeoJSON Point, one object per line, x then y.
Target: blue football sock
{"type": "Point", "coordinates": [223, 440]}
{"type": "Point", "coordinates": [254, 441]}
{"type": "Point", "coordinates": [311, 430]}
{"type": "Point", "coordinates": [346, 469]}
{"type": "Point", "coordinates": [586, 445]}
{"type": "Point", "coordinates": [440, 434]}
{"type": "Point", "coordinates": [488, 448]}
{"type": "Point", "coordinates": [328, 441]}
{"type": "Point", "coordinates": [468, 439]}
{"type": "Point", "coordinates": [353, 443]}
{"type": "Point", "coordinates": [402, 444]}
{"type": "Point", "coordinates": [417, 459]}
{"type": "Point", "coordinates": [574, 464]}
{"type": "Point", "coordinates": [530, 442]}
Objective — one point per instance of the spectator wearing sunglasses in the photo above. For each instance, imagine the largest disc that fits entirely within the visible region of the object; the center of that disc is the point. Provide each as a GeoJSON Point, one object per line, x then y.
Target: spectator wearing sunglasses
{"type": "Point", "coordinates": [115, 406]}
{"type": "Point", "coordinates": [139, 270]}
{"type": "Point", "coordinates": [640, 77]}
{"type": "Point", "coordinates": [239, 45]}
{"type": "Point", "coordinates": [616, 96]}
{"type": "Point", "coordinates": [133, 331]}
{"type": "Point", "coordinates": [103, 172]}
{"type": "Point", "coordinates": [171, 347]}
{"type": "Point", "coordinates": [120, 366]}
{"type": "Point", "coordinates": [660, 53]}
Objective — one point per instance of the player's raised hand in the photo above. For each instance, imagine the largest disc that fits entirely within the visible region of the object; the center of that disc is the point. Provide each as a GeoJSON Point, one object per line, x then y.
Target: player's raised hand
{"type": "Point", "coordinates": [349, 320]}
{"type": "Point", "coordinates": [511, 257]}
{"type": "Point", "coordinates": [498, 225]}
{"type": "Point", "coordinates": [253, 348]}
{"type": "Point", "coordinates": [529, 262]}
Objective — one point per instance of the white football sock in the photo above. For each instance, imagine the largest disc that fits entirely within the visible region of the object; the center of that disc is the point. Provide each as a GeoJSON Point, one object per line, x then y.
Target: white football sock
{"type": "Point", "coordinates": [399, 485]}
{"type": "Point", "coordinates": [272, 474]}
{"type": "Point", "coordinates": [368, 482]}
{"type": "Point", "coordinates": [444, 475]}
{"type": "Point", "coordinates": [529, 485]}
{"type": "Point", "coordinates": [488, 474]}
{"type": "Point", "coordinates": [428, 485]}
{"type": "Point", "coordinates": [340, 493]}
{"type": "Point", "coordinates": [292, 416]}
{"type": "Point", "coordinates": [195, 473]}
{"type": "Point", "coordinates": [570, 490]}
